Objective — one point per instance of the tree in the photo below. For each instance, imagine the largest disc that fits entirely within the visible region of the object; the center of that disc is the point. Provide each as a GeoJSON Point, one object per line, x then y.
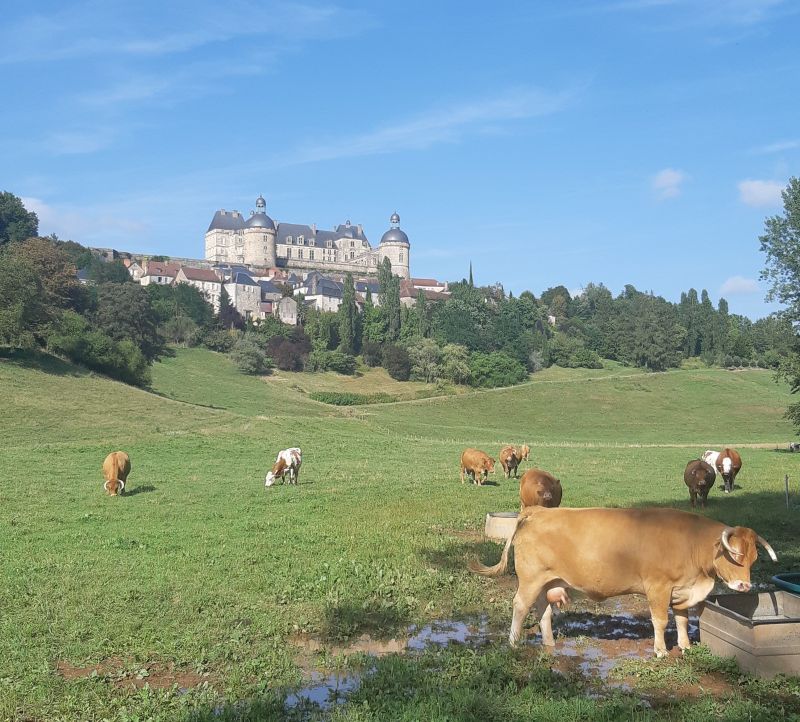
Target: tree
{"type": "Point", "coordinates": [421, 315]}
{"type": "Point", "coordinates": [108, 272]}
{"type": "Point", "coordinates": [389, 291]}
{"type": "Point", "coordinates": [17, 223]}
{"type": "Point", "coordinates": [426, 357]}
{"type": "Point", "coordinates": [124, 313]}
{"type": "Point", "coordinates": [348, 318]}
{"type": "Point", "coordinates": [22, 311]}
{"type": "Point", "coordinates": [496, 369]}
{"type": "Point", "coordinates": [781, 243]}
{"type": "Point", "coordinates": [397, 362]}
{"type": "Point", "coordinates": [249, 357]}
{"type": "Point", "coordinates": [228, 316]}
{"type": "Point", "coordinates": [455, 364]}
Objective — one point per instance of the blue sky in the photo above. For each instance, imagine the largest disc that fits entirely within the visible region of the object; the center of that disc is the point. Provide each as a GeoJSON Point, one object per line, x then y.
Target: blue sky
{"type": "Point", "coordinates": [616, 141]}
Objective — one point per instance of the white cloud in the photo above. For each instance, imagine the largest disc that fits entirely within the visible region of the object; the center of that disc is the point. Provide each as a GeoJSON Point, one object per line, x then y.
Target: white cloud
{"type": "Point", "coordinates": [739, 285]}
{"type": "Point", "coordinates": [778, 147]}
{"type": "Point", "coordinates": [759, 193]}
{"type": "Point", "coordinates": [667, 183]}
{"type": "Point", "coordinates": [447, 125]}
{"type": "Point", "coordinates": [84, 225]}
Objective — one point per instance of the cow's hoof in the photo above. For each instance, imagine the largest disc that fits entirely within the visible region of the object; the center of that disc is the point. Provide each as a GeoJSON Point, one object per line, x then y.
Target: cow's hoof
{"type": "Point", "coordinates": [661, 653]}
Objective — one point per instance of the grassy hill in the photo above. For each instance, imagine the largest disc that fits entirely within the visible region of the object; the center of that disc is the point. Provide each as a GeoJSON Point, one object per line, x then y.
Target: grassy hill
{"type": "Point", "coordinates": [202, 571]}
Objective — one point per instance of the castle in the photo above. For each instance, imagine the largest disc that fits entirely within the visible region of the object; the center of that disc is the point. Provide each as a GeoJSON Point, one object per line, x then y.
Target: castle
{"type": "Point", "coordinates": [259, 241]}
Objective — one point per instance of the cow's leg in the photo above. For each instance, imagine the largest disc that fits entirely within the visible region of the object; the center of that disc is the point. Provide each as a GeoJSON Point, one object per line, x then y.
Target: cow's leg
{"type": "Point", "coordinates": [659, 600]}
{"type": "Point", "coordinates": [523, 601]}
{"type": "Point", "coordinates": [462, 474]}
{"type": "Point", "coordinates": [544, 611]}
{"type": "Point", "coordinates": [682, 623]}
{"type": "Point", "coordinates": [692, 497]}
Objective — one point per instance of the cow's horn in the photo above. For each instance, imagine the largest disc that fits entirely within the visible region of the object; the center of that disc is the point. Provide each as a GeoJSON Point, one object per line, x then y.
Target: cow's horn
{"type": "Point", "coordinates": [766, 546]}
{"type": "Point", "coordinates": [726, 533]}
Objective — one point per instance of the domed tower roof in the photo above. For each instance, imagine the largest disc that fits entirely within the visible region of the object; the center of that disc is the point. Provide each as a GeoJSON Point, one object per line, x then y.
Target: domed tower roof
{"type": "Point", "coordinates": [260, 219]}
{"type": "Point", "coordinates": [394, 234]}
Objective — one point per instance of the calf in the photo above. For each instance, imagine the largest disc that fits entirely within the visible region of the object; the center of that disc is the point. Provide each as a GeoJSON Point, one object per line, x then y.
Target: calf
{"type": "Point", "coordinates": [699, 477]}
{"type": "Point", "coordinates": [477, 465]}
{"type": "Point", "coordinates": [116, 468]}
{"type": "Point", "coordinates": [509, 460]}
{"type": "Point", "coordinates": [288, 462]}
{"type": "Point", "coordinates": [539, 488]}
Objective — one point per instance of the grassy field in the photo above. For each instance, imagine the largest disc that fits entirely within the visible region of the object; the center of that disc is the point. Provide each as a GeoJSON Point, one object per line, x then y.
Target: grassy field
{"type": "Point", "coordinates": [199, 579]}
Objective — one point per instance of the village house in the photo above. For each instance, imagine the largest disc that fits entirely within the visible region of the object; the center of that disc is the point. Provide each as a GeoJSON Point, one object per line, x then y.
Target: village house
{"type": "Point", "coordinates": [159, 272]}
{"type": "Point", "coordinates": [204, 280]}
{"type": "Point", "coordinates": [245, 295]}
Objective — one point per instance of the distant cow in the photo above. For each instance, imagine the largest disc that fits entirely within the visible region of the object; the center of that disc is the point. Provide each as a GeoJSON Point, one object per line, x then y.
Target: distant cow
{"type": "Point", "coordinates": [509, 460]}
{"type": "Point", "coordinates": [477, 465]}
{"type": "Point", "coordinates": [287, 463]}
{"type": "Point", "coordinates": [539, 488]}
{"type": "Point", "coordinates": [523, 452]}
{"type": "Point", "coordinates": [699, 477]}
{"type": "Point", "coordinates": [116, 468]}
{"type": "Point", "coordinates": [727, 462]}
{"type": "Point", "coordinates": [794, 446]}
{"type": "Point", "coordinates": [670, 556]}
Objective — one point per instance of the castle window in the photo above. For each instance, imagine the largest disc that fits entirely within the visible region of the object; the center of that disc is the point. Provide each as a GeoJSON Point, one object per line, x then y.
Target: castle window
{"type": "Point", "coordinates": [401, 256]}
{"type": "Point", "coordinates": [300, 240]}
{"type": "Point", "coordinates": [352, 255]}
{"type": "Point", "coordinates": [299, 252]}
{"type": "Point", "coordinates": [311, 254]}
{"type": "Point", "coordinates": [288, 253]}
{"type": "Point", "coordinates": [352, 244]}
{"type": "Point", "coordinates": [329, 243]}
{"type": "Point", "coordinates": [312, 242]}
{"type": "Point", "coordinates": [289, 239]}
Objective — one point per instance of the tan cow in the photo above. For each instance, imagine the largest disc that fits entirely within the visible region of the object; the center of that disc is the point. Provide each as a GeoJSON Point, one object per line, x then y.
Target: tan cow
{"type": "Point", "coordinates": [477, 465]}
{"type": "Point", "coordinates": [672, 557]}
{"type": "Point", "coordinates": [509, 460]}
{"type": "Point", "coordinates": [539, 488]}
{"type": "Point", "coordinates": [116, 468]}
{"type": "Point", "coordinates": [523, 452]}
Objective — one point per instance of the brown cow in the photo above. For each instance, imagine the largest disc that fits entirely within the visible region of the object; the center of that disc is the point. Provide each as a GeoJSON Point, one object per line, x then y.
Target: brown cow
{"type": "Point", "coordinates": [670, 556]}
{"type": "Point", "coordinates": [699, 477]}
{"type": "Point", "coordinates": [523, 452]}
{"type": "Point", "coordinates": [539, 488]}
{"type": "Point", "coordinates": [116, 468]}
{"type": "Point", "coordinates": [727, 462]}
{"type": "Point", "coordinates": [477, 464]}
{"type": "Point", "coordinates": [509, 460]}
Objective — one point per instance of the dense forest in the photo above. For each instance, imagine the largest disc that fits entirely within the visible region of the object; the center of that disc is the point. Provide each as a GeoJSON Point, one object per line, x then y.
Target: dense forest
{"type": "Point", "coordinates": [478, 335]}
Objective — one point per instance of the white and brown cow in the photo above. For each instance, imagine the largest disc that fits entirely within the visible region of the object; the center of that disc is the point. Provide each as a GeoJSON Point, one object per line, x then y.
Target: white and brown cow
{"type": "Point", "coordinates": [287, 463]}
{"type": "Point", "coordinates": [727, 462]}
{"type": "Point", "coordinates": [672, 557]}
{"type": "Point", "coordinates": [116, 467]}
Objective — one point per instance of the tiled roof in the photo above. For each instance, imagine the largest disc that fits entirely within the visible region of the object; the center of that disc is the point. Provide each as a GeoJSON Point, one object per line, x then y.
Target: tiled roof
{"type": "Point", "coordinates": [200, 274]}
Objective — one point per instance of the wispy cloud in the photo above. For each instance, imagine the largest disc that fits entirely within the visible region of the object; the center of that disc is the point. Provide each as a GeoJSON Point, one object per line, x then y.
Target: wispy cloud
{"type": "Point", "coordinates": [758, 193]}
{"type": "Point", "coordinates": [78, 142]}
{"type": "Point", "coordinates": [437, 126]}
{"type": "Point", "coordinates": [739, 285]}
{"type": "Point", "coordinates": [667, 183]}
{"type": "Point", "coordinates": [84, 224]}
{"type": "Point", "coordinates": [707, 12]}
{"type": "Point", "coordinates": [93, 28]}
{"type": "Point", "coordinates": [778, 147]}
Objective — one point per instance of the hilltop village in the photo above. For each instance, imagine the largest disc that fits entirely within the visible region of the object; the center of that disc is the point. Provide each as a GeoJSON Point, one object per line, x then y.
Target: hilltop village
{"type": "Point", "coordinates": [266, 266]}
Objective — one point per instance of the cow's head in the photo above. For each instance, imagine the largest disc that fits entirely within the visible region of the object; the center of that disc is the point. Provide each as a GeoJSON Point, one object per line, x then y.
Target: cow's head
{"type": "Point", "coordinates": [488, 465]}
{"type": "Point", "coordinates": [114, 487]}
{"type": "Point", "coordinates": [736, 552]}
{"type": "Point", "coordinates": [270, 480]}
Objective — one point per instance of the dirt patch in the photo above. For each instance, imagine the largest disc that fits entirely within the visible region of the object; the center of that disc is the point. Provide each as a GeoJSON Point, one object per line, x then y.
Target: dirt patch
{"type": "Point", "coordinates": [124, 675]}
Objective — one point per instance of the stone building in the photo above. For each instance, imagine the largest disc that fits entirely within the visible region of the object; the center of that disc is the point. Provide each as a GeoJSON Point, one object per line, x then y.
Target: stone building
{"type": "Point", "coordinates": [259, 241]}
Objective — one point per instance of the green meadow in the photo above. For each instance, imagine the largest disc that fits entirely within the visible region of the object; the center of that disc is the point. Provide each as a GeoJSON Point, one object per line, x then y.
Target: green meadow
{"type": "Point", "coordinates": [202, 577]}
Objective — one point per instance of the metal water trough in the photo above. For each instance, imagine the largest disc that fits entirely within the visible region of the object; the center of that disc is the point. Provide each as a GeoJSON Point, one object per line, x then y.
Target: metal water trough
{"type": "Point", "coordinates": [762, 631]}
{"type": "Point", "coordinates": [500, 524]}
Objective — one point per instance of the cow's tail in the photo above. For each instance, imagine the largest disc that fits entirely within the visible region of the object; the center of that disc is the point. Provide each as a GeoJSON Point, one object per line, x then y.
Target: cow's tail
{"type": "Point", "coordinates": [502, 565]}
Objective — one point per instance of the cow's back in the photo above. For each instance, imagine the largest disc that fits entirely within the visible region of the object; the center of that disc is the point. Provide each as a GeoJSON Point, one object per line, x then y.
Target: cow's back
{"type": "Point", "coordinates": [117, 465]}
{"type": "Point", "coordinates": [473, 459]}
{"type": "Point", "coordinates": [608, 552]}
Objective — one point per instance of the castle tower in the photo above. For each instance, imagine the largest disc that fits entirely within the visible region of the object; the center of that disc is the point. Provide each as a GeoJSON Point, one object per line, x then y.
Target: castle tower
{"type": "Point", "coordinates": [259, 237]}
{"type": "Point", "coordinates": [394, 245]}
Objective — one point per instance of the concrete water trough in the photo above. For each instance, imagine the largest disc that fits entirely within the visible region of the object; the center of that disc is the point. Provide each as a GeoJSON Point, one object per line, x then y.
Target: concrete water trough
{"type": "Point", "coordinates": [500, 524]}
{"type": "Point", "coordinates": [761, 631]}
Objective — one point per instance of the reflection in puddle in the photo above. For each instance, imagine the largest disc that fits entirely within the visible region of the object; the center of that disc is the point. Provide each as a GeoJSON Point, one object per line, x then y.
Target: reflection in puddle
{"type": "Point", "coordinates": [324, 690]}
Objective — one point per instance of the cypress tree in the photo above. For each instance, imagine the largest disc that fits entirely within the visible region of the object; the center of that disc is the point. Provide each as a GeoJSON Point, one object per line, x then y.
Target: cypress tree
{"type": "Point", "coordinates": [348, 317]}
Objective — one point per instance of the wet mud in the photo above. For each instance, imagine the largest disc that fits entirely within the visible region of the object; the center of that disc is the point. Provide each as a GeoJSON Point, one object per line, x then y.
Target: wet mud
{"type": "Point", "coordinates": [124, 675]}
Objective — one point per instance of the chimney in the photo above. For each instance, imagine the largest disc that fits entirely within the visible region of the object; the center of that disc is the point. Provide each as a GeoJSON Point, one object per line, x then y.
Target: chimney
{"type": "Point", "coordinates": [314, 228]}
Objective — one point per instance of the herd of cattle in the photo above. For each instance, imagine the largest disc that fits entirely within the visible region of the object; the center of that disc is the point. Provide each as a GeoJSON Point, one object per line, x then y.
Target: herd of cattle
{"type": "Point", "coordinates": [672, 557]}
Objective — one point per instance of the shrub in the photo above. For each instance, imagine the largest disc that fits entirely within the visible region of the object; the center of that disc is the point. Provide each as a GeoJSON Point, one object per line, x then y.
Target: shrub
{"type": "Point", "coordinates": [455, 364]}
{"type": "Point", "coordinates": [397, 362]}
{"type": "Point", "coordinates": [490, 370]}
{"type": "Point", "coordinates": [249, 357]}
{"type": "Point", "coordinates": [372, 353]}
{"type": "Point", "coordinates": [343, 363]}
{"type": "Point", "coordinates": [426, 357]}
{"type": "Point", "coordinates": [584, 358]}
{"type": "Point", "coordinates": [338, 398]}
{"type": "Point", "coordinates": [289, 354]}
{"type": "Point", "coordinates": [217, 339]}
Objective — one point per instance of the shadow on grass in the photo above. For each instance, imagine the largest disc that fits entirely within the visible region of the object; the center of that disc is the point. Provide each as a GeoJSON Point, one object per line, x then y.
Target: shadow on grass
{"type": "Point", "coordinates": [41, 361]}
{"type": "Point", "coordinates": [346, 620]}
{"type": "Point", "coordinates": [140, 490]}
{"type": "Point", "coordinates": [455, 555]}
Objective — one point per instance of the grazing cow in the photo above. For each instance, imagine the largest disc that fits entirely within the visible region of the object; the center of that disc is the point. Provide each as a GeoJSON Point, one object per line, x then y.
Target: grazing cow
{"type": "Point", "coordinates": [670, 556]}
{"type": "Point", "coordinates": [794, 446]}
{"type": "Point", "coordinates": [523, 452]}
{"type": "Point", "coordinates": [116, 468]}
{"type": "Point", "coordinates": [477, 465]}
{"type": "Point", "coordinates": [539, 488]}
{"type": "Point", "coordinates": [699, 477]}
{"type": "Point", "coordinates": [509, 460]}
{"type": "Point", "coordinates": [288, 462]}
{"type": "Point", "coordinates": [727, 462]}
